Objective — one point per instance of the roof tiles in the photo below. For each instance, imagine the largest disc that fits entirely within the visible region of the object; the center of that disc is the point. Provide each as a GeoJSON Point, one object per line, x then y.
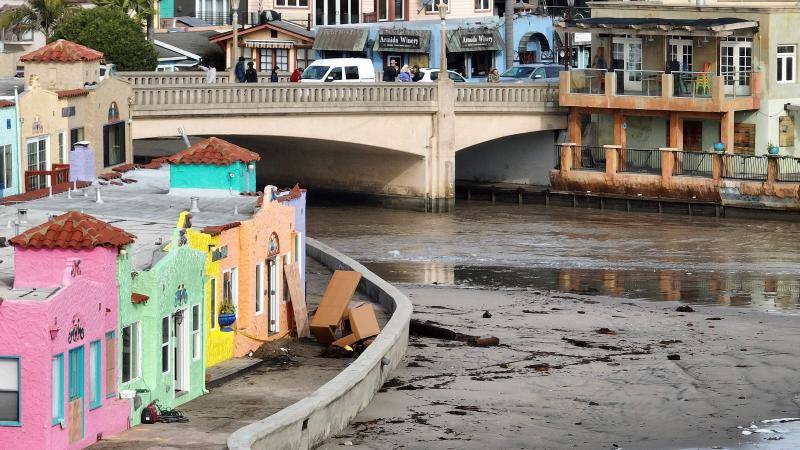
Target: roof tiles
{"type": "Point", "coordinates": [69, 93]}
{"type": "Point", "coordinates": [214, 151]}
{"type": "Point", "coordinates": [6, 103]}
{"type": "Point", "coordinates": [62, 51]}
{"type": "Point", "coordinates": [73, 230]}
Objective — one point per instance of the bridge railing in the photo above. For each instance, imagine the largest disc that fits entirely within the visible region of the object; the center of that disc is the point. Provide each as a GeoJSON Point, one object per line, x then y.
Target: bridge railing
{"type": "Point", "coordinates": [198, 98]}
{"type": "Point", "coordinates": [140, 79]}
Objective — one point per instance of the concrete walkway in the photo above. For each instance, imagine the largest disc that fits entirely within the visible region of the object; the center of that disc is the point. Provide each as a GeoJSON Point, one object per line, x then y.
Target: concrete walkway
{"type": "Point", "coordinates": [273, 385]}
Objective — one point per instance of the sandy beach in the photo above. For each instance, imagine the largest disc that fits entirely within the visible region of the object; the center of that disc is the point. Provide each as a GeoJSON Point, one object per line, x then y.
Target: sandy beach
{"type": "Point", "coordinates": [576, 371]}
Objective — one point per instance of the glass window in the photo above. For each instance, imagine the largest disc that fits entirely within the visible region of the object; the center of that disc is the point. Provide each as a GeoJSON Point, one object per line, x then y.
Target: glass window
{"type": "Point", "coordinates": [383, 9]}
{"type": "Point", "coordinates": [195, 331]}
{"type": "Point", "coordinates": [9, 391]}
{"type": "Point", "coordinates": [229, 292]}
{"type": "Point", "coordinates": [58, 388]}
{"type": "Point", "coordinates": [95, 377]}
{"type": "Point", "coordinates": [282, 58]}
{"type": "Point", "coordinates": [351, 73]}
{"type": "Point", "coordinates": [76, 373]}
{"type": "Point", "coordinates": [517, 72]}
{"type": "Point", "coordinates": [399, 9]}
{"type": "Point", "coordinates": [335, 75]}
{"type": "Point", "coordinates": [62, 147]}
{"type": "Point", "coordinates": [75, 135]}
{"type": "Point", "coordinates": [37, 160]}
{"type": "Point", "coordinates": [131, 355]}
{"type": "Point", "coordinates": [434, 6]}
{"type": "Point", "coordinates": [786, 63]}
{"type": "Point", "coordinates": [315, 72]}
{"type": "Point", "coordinates": [265, 60]}
{"type": "Point", "coordinates": [213, 307]}
{"type": "Point", "coordinates": [165, 344]}
{"type": "Point", "coordinates": [8, 167]}
{"type": "Point", "coordinates": [292, 3]}
{"type": "Point", "coordinates": [482, 4]}
{"type": "Point", "coordinates": [304, 56]}
{"type": "Point", "coordinates": [111, 365]}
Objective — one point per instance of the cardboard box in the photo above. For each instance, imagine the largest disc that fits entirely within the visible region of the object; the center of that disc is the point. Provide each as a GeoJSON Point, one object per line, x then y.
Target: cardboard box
{"type": "Point", "coordinates": [333, 306]}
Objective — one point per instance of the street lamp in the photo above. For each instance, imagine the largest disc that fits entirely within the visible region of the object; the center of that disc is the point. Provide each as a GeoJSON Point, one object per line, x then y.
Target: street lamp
{"type": "Point", "coordinates": [235, 49]}
{"type": "Point", "coordinates": [443, 76]}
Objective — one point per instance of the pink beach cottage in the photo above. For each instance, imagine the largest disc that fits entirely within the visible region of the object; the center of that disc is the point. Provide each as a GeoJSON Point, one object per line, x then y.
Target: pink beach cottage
{"type": "Point", "coordinates": [58, 336]}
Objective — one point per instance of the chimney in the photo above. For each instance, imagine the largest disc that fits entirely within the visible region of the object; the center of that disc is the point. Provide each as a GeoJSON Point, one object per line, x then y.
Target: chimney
{"type": "Point", "coordinates": [270, 194]}
{"type": "Point", "coordinates": [194, 205]}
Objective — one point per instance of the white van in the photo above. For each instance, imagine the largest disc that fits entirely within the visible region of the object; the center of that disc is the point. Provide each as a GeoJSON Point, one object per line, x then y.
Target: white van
{"type": "Point", "coordinates": [339, 70]}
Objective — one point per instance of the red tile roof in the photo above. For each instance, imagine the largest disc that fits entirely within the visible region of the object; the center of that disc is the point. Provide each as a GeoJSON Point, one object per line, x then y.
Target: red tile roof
{"type": "Point", "coordinates": [296, 192]}
{"type": "Point", "coordinates": [69, 93]}
{"type": "Point", "coordinates": [108, 176]}
{"type": "Point", "coordinates": [217, 229]}
{"type": "Point", "coordinates": [41, 193]}
{"type": "Point", "coordinates": [73, 230]}
{"type": "Point", "coordinates": [214, 151]}
{"type": "Point", "coordinates": [6, 103]}
{"type": "Point", "coordinates": [138, 298]}
{"type": "Point", "coordinates": [125, 167]}
{"type": "Point", "coordinates": [62, 51]}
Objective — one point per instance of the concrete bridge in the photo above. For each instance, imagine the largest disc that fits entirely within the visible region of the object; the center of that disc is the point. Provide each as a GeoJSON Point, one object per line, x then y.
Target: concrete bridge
{"type": "Point", "coordinates": [394, 141]}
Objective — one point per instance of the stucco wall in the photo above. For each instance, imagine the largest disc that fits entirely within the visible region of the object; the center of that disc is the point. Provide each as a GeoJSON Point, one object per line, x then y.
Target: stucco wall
{"type": "Point", "coordinates": [330, 408]}
{"type": "Point", "coordinates": [209, 176]}
{"type": "Point", "coordinates": [57, 76]}
{"type": "Point", "coordinates": [44, 268]}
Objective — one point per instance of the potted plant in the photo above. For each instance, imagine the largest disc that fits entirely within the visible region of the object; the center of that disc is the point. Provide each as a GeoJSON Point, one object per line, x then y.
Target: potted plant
{"type": "Point", "coordinates": [719, 146]}
{"type": "Point", "coordinates": [227, 315]}
{"type": "Point", "coordinates": [772, 149]}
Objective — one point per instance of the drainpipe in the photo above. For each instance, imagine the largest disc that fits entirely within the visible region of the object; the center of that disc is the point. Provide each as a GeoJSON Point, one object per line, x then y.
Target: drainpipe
{"type": "Point", "coordinates": [18, 152]}
{"type": "Point", "coordinates": [509, 16]}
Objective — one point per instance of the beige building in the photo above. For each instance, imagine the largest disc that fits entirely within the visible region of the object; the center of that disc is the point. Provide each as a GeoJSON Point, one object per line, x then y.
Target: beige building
{"type": "Point", "coordinates": [277, 43]}
{"type": "Point", "coordinates": [64, 103]}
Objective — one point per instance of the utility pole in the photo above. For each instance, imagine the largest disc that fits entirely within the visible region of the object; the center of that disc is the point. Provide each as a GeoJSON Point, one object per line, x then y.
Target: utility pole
{"type": "Point", "coordinates": [509, 19]}
{"type": "Point", "coordinates": [443, 37]}
{"type": "Point", "coordinates": [567, 35]}
{"type": "Point", "coordinates": [235, 45]}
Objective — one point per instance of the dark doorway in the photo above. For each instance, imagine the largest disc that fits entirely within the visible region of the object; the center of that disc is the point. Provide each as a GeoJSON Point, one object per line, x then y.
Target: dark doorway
{"type": "Point", "coordinates": [692, 135]}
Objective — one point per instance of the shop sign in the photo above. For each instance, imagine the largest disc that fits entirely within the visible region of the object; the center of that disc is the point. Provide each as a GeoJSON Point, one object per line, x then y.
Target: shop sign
{"type": "Point", "coordinates": [76, 332]}
{"type": "Point", "coordinates": [477, 40]}
{"type": "Point", "coordinates": [399, 41]}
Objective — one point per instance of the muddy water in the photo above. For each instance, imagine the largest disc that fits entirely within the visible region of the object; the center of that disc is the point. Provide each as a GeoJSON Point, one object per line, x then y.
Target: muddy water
{"type": "Point", "coordinates": [743, 263]}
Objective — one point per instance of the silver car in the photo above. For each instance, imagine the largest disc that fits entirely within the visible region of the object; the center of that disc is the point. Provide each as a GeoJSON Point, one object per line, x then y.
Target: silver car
{"type": "Point", "coordinates": [532, 73]}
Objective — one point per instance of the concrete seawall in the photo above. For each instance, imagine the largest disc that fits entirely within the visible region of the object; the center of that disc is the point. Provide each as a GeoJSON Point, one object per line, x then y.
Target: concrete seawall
{"type": "Point", "coordinates": [331, 407]}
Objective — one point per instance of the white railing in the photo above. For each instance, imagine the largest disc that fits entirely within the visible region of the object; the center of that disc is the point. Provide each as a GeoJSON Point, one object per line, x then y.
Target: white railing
{"type": "Point", "coordinates": [486, 94]}
{"type": "Point", "coordinates": [181, 78]}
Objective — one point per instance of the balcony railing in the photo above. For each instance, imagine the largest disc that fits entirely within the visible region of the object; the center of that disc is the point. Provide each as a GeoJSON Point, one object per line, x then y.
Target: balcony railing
{"type": "Point", "coordinates": [38, 179]}
{"type": "Point", "coordinates": [218, 18]}
{"type": "Point", "coordinates": [593, 158]}
{"type": "Point", "coordinates": [693, 164]}
{"type": "Point", "coordinates": [789, 169]}
{"type": "Point", "coordinates": [640, 160]}
{"type": "Point", "coordinates": [639, 82]}
{"type": "Point", "coordinates": [587, 81]}
{"type": "Point", "coordinates": [692, 84]}
{"type": "Point", "coordinates": [745, 167]}
{"type": "Point", "coordinates": [737, 84]}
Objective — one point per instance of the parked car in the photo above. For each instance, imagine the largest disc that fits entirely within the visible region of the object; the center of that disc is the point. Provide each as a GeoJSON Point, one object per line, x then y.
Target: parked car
{"type": "Point", "coordinates": [339, 70]}
{"type": "Point", "coordinates": [532, 73]}
{"type": "Point", "coordinates": [107, 70]}
{"type": "Point", "coordinates": [433, 75]}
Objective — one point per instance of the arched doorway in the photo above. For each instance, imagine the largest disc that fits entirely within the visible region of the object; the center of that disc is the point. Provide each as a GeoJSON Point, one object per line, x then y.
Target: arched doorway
{"type": "Point", "coordinates": [533, 48]}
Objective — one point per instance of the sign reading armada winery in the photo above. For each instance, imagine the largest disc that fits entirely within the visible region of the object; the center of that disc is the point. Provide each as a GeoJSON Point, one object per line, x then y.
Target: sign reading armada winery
{"type": "Point", "coordinates": [399, 41]}
{"type": "Point", "coordinates": [477, 40]}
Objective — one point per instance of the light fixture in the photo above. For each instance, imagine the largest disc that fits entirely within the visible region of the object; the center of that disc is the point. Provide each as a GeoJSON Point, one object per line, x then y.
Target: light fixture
{"type": "Point", "coordinates": [179, 316]}
{"type": "Point", "coordinates": [650, 38]}
{"type": "Point", "coordinates": [54, 330]}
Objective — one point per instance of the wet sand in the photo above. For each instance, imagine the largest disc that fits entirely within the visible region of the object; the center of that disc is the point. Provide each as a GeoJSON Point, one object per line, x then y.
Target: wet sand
{"type": "Point", "coordinates": [556, 382]}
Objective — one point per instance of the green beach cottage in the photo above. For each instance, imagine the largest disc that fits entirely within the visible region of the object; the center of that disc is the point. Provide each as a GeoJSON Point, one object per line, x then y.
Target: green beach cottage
{"type": "Point", "coordinates": [213, 165]}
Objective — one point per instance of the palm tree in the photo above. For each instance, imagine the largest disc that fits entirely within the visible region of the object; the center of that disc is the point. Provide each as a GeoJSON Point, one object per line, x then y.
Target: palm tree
{"type": "Point", "coordinates": [37, 15]}
{"type": "Point", "coordinates": [140, 10]}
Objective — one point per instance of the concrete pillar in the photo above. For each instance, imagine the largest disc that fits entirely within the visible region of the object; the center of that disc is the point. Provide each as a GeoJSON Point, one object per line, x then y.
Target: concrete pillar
{"type": "Point", "coordinates": [716, 167]}
{"type": "Point", "coordinates": [442, 158]}
{"type": "Point", "coordinates": [611, 84]}
{"type": "Point", "coordinates": [726, 125]}
{"type": "Point", "coordinates": [773, 169]}
{"type": "Point", "coordinates": [574, 126]}
{"type": "Point", "coordinates": [675, 130]}
{"type": "Point", "coordinates": [612, 159]}
{"type": "Point", "coordinates": [667, 85]}
{"type": "Point", "coordinates": [565, 155]}
{"type": "Point", "coordinates": [619, 135]}
{"type": "Point", "coordinates": [667, 164]}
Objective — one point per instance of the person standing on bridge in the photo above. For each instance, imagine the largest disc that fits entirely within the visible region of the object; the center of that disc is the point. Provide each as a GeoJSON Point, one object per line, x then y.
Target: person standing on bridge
{"type": "Point", "coordinates": [273, 77]}
{"type": "Point", "coordinates": [250, 75]}
{"type": "Point", "coordinates": [405, 75]}
{"type": "Point", "coordinates": [494, 76]}
{"type": "Point", "coordinates": [390, 72]}
{"type": "Point", "coordinates": [297, 75]}
{"type": "Point", "coordinates": [240, 70]}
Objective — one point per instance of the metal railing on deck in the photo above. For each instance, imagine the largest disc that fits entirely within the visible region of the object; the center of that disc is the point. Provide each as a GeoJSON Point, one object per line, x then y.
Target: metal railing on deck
{"type": "Point", "coordinates": [744, 167]}
{"type": "Point", "coordinates": [694, 164]}
{"type": "Point", "coordinates": [37, 179]}
{"type": "Point", "coordinates": [593, 158]}
{"type": "Point", "coordinates": [788, 169]}
{"type": "Point", "coordinates": [646, 83]}
{"type": "Point", "coordinates": [737, 84]}
{"type": "Point", "coordinates": [693, 84]}
{"type": "Point", "coordinates": [587, 81]}
{"type": "Point", "coordinates": [640, 160]}
{"type": "Point", "coordinates": [557, 156]}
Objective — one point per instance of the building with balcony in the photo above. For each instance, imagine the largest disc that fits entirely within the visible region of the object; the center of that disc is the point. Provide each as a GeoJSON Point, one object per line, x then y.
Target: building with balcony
{"type": "Point", "coordinates": [665, 74]}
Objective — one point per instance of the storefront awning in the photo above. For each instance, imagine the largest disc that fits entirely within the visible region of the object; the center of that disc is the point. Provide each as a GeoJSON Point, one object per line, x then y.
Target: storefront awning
{"type": "Point", "coordinates": [722, 26]}
{"type": "Point", "coordinates": [474, 40]}
{"type": "Point", "coordinates": [268, 44]}
{"type": "Point", "coordinates": [402, 41]}
{"type": "Point", "coordinates": [341, 39]}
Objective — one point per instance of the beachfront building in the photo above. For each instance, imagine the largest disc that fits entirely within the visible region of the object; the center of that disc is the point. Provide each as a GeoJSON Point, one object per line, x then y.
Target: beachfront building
{"type": "Point", "coordinates": [410, 34]}
{"type": "Point", "coordinates": [9, 148]}
{"type": "Point", "coordinates": [275, 43]}
{"type": "Point", "coordinates": [296, 198]}
{"type": "Point", "coordinates": [213, 167]}
{"type": "Point", "coordinates": [686, 77]}
{"type": "Point", "coordinates": [59, 335]}
{"type": "Point", "coordinates": [162, 338]}
{"type": "Point", "coordinates": [65, 103]}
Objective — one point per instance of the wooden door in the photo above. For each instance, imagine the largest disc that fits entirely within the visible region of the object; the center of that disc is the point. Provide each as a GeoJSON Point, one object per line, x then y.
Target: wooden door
{"type": "Point", "coordinates": [76, 383]}
{"type": "Point", "coordinates": [692, 136]}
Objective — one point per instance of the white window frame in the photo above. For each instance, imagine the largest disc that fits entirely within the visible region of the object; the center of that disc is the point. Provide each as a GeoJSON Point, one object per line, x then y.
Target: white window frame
{"type": "Point", "coordinates": [57, 407]}
{"type": "Point", "coordinates": [291, 4]}
{"type": "Point", "coordinates": [196, 319]}
{"type": "Point", "coordinates": [165, 344]}
{"type": "Point", "coordinates": [6, 386]}
{"type": "Point", "coordinates": [786, 60]}
{"type": "Point", "coordinates": [485, 5]}
{"type": "Point", "coordinates": [433, 7]}
{"type": "Point", "coordinates": [212, 302]}
{"type": "Point", "coordinates": [234, 277]}
{"type": "Point", "coordinates": [46, 166]}
{"type": "Point", "coordinates": [259, 288]}
{"type": "Point", "coordinates": [135, 354]}
{"type": "Point", "coordinates": [386, 5]}
{"type": "Point", "coordinates": [63, 144]}
{"type": "Point", "coordinates": [6, 161]}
